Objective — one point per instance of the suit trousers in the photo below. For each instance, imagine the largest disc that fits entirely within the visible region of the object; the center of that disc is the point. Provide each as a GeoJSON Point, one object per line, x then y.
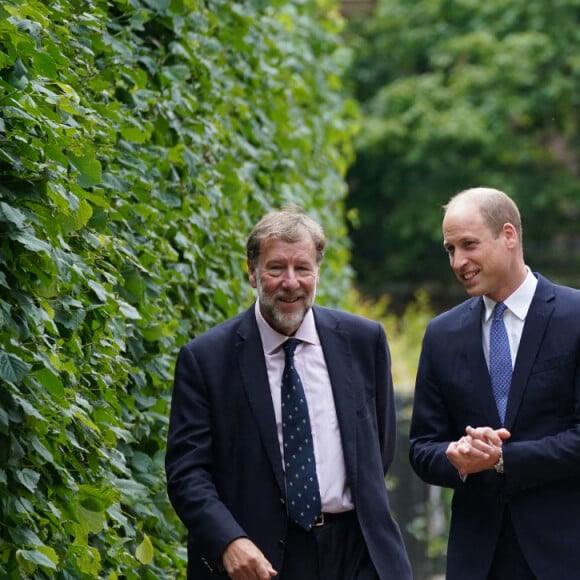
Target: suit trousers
{"type": "Point", "coordinates": [509, 562]}
{"type": "Point", "coordinates": [335, 550]}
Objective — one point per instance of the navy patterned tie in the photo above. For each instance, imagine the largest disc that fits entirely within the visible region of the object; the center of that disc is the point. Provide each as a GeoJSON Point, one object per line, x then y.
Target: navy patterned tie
{"type": "Point", "coordinates": [303, 494]}
{"type": "Point", "coordinates": [500, 360]}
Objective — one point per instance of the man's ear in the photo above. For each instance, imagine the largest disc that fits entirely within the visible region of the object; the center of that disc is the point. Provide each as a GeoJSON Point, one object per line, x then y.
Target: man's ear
{"type": "Point", "coordinates": [251, 274]}
{"type": "Point", "coordinates": [511, 235]}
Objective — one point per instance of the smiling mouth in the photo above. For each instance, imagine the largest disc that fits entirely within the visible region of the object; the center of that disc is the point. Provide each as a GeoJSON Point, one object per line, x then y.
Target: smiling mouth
{"type": "Point", "coordinates": [469, 275]}
{"type": "Point", "coordinates": [290, 300]}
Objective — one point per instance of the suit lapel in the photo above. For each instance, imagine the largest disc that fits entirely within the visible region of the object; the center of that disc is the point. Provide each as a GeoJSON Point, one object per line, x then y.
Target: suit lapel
{"type": "Point", "coordinates": [336, 348]}
{"type": "Point", "coordinates": [535, 326]}
{"type": "Point", "coordinates": [255, 378]}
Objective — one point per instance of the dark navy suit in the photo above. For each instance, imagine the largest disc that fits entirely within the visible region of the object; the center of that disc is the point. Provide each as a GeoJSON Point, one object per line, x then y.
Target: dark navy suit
{"type": "Point", "coordinates": [541, 484]}
{"type": "Point", "coordinates": [223, 463]}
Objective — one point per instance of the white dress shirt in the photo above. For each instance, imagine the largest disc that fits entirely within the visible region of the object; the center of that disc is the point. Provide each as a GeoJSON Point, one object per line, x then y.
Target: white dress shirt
{"type": "Point", "coordinates": [518, 304]}
{"type": "Point", "coordinates": [311, 366]}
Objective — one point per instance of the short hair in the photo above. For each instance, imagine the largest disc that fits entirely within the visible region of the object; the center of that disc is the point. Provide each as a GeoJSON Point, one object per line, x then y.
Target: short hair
{"type": "Point", "coordinates": [495, 206]}
{"type": "Point", "coordinates": [290, 224]}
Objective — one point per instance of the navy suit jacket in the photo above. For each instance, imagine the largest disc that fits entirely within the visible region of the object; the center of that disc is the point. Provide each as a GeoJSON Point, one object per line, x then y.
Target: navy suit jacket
{"type": "Point", "coordinates": [541, 484]}
{"type": "Point", "coordinates": [223, 462]}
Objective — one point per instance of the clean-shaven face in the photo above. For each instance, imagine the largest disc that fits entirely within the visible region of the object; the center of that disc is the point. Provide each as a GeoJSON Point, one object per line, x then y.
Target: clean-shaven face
{"type": "Point", "coordinates": [286, 279]}
{"type": "Point", "coordinates": [480, 261]}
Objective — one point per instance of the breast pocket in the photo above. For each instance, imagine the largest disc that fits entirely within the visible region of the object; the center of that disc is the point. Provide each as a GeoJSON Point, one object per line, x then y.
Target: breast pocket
{"type": "Point", "coordinates": [554, 363]}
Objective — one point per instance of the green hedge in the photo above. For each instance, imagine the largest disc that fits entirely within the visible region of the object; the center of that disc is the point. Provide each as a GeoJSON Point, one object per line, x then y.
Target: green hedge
{"type": "Point", "coordinates": [139, 142]}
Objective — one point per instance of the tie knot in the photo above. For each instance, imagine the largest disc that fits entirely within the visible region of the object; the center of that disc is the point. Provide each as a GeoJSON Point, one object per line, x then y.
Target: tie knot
{"type": "Point", "coordinates": [499, 310]}
{"type": "Point", "coordinates": [290, 346]}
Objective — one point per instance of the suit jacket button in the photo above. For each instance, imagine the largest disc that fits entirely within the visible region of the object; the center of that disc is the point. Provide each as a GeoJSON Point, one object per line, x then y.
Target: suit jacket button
{"type": "Point", "coordinates": [207, 564]}
{"type": "Point", "coordinates": [283, 500]}
{"type": "Point", "coordinates": [281, 544]}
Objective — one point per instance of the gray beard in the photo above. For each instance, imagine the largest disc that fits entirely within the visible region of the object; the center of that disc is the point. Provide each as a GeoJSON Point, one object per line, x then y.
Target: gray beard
{"type": "Point", "coordinates": [286, 322]}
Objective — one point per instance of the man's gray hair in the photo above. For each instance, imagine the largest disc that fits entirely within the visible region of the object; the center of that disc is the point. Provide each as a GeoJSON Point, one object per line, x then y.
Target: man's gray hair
{"type": "Point", "coordinates": [290, 224]}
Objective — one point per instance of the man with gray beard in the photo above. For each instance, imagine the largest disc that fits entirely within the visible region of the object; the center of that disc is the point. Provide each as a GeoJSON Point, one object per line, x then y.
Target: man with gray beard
{"type": "Point", "coordinates": [271, 488]}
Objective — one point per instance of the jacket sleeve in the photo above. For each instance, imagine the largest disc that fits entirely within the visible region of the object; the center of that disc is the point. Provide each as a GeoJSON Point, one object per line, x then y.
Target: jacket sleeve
{"type": "Point", "coordinates": [431, 425]}
{"type": "Point", "coordinates": [385, 402]}
{"type": "Point", "coordinates": [190, 483]}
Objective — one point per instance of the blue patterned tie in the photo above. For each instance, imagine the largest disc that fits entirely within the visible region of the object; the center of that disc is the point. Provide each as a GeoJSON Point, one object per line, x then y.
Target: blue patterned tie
{"type": "Point", "coordinates": [500, 360]}
{"type": "Point", "coordinates": [303, 494]}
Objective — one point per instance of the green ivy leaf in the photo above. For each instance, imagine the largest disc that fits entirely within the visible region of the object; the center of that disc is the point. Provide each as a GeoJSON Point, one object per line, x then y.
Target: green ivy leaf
{"type": "Point", "coordinates": [89, 168]}
{"type": "Point", "coordinates": [144, 551]}
{"type": "Point", "coordinates": [45, 557]}
{"type": "Point", "coordinates": [4, 420]}
{"type": "Point", "coordinates": [88, 560]}
{"type": "Point", "coordinates": [31, 242]}
{"type": "Point", "coordinates": [45, 65]}
{"type": "Point", "coordinates": [42, 450]}
{"type": "Point", "coordinates": [23, 535]}
{"type": "Point", "coordinates": [28, 478]}
{"type": "Point", "coordinates": [12, 368]}
{"type": "Point", "coordinates": [51, 382]}
{"type": "Point", "coordinates": [12, 215]}
{"type": "Point", "coordinates": [99, 290]}
{"type": "Point", "coordinates": [128, 310]}
{"type": "Point", "coordinates": [91, 521]}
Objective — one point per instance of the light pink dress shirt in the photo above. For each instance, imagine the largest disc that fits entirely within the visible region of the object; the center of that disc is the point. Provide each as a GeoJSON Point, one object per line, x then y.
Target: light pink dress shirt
{"type": "Point", "coordinates": [311, 366]}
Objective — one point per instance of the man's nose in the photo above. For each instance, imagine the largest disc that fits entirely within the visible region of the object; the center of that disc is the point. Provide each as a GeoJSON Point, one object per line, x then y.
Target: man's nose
{"type": "Point", "coordinates": [457, 259]}
{"type": "Point", "coordinates": [290, 279]}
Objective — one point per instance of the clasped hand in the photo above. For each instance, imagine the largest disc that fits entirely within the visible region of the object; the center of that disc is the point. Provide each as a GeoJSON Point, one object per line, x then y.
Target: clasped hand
{"type": "Point", "coordinates": [479, 449]}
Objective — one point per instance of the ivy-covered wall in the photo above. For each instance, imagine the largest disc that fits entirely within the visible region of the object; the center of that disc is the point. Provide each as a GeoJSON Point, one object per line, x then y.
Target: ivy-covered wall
{"type": "Point", "coordinates": [139, 142]}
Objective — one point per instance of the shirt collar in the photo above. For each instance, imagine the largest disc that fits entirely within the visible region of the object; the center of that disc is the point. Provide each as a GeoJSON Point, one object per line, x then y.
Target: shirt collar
{"type": "Point", "coordinates": [519, 301]}
{"type": "Point", "coordinates": [272, 339]}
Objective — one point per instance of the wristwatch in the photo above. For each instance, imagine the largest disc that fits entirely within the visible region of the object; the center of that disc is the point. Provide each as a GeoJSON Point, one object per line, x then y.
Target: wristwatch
{"type": "Point", "coordinates": [499, 465]}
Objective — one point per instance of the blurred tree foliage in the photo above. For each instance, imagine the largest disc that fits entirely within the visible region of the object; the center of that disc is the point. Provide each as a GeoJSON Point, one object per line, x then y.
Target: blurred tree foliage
{"type": "Point", "coordinates": [458, 94]}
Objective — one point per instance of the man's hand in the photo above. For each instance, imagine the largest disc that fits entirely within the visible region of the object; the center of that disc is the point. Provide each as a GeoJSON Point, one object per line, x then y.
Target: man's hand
{"type": "Point", "coordinates": [487, 434]}
{"type": "Point", "coordinates": [243, 560]}
{"type": "Point", "coordinates": [479, 449]}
